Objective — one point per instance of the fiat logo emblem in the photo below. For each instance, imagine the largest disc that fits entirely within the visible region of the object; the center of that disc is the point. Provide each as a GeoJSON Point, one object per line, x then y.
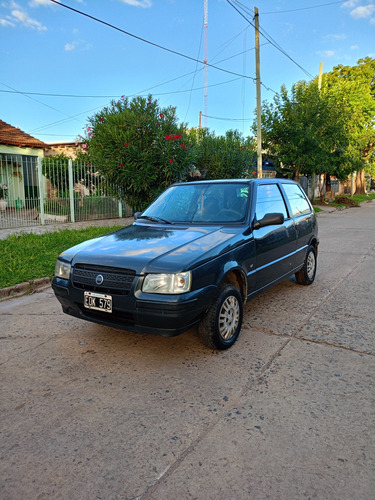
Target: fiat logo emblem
{"type": "Point", "coordinates": [99, 279]}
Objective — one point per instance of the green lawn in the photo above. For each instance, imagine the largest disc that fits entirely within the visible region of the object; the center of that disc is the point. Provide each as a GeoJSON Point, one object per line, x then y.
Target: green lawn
{"type": "Point", "coordinates": [24, 256]}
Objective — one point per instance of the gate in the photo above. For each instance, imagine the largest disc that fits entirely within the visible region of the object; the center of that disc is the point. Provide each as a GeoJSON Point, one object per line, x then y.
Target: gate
{"type": "Point", "coordinates": [50, 191]}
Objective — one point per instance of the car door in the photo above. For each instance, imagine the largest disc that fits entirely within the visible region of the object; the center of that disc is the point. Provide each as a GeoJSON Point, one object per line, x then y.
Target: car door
{"type": "Point", "coordinates": [275, 245]}
{"type": "Point", "coordinates": [303, 216]}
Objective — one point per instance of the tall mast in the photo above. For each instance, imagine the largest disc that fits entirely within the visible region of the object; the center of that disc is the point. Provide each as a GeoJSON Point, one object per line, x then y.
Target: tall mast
{"type": "Point", "coordinates": [205, 60]}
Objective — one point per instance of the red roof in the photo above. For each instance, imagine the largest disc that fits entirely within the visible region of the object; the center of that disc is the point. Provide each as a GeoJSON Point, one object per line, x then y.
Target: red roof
{"type": "Point", "coordinates": [12, 136]}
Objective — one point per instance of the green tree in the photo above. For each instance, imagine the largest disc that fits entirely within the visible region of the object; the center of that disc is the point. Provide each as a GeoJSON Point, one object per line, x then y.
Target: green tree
{"type": "Point", "coordinates": [223, 157]}
{"type": "Point", "coordinates": [139, 147]}
{"type": "Point", "coordinates": [324, 131]}
{"type": "Point", "coordinates": [305, 129]}
{"type": "Point", "coordinates": [356, 87]}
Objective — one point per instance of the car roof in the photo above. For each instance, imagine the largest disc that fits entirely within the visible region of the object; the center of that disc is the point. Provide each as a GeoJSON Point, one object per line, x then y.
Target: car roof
{"type": "Point", "coordinates": [237, 181]}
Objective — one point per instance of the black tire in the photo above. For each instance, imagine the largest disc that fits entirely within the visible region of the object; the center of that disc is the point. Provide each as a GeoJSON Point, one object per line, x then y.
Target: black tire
{"type": "Point", "coordinates": [220, 327]}
{"type": "Point", "coordinates": [306, 275]}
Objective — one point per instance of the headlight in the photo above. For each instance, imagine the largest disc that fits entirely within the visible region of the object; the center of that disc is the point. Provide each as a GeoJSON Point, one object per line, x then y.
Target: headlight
{"type": "Point", "coordinates": [62, 269]}
{"type": "Point", "coordinates": [167, 283]}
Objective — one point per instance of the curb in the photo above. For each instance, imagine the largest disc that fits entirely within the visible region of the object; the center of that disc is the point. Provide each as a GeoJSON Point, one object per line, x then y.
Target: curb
{"type": "Point", "coordinates": [26, 288]}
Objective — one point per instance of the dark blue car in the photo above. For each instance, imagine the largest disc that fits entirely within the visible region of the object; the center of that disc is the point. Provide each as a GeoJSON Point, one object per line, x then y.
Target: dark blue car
{"type": "Point", "coordinates": [194, 256]}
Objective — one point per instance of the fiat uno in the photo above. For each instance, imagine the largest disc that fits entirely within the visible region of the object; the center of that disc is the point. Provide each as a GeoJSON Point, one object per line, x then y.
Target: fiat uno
{"type": "Point", "coordinates": [193, 257]}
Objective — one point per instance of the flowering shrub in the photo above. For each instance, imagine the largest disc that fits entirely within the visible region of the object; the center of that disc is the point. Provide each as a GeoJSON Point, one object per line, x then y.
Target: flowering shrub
{"type": "Point", "coordinates": [3, 191]}
{"type": "Point", "coordinates": [139, 147]}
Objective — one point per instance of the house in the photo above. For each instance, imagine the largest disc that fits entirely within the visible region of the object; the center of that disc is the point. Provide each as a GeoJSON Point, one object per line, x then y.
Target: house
{"type": "Point", "coordinates": [19, 153]}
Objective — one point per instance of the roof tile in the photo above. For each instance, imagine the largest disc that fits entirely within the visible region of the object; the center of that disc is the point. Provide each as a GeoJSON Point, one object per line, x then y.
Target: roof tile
{"type": "Point", "coordinates": [12, 136]}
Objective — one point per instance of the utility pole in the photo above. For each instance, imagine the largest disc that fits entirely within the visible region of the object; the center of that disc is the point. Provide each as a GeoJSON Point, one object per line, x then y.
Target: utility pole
{"type": "Point", "coordinates": [313, 177]}
{"type": "Point", "coordinates": [257, 71]}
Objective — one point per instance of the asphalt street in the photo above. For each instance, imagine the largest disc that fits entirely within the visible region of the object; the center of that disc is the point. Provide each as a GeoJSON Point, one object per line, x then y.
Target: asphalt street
{"type": "Point", "coordinates": [90, 412]}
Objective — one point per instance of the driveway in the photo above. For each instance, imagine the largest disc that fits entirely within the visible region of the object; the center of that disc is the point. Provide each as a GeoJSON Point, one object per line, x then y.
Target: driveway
{"type": "Point", "coordinates": [287, 413]}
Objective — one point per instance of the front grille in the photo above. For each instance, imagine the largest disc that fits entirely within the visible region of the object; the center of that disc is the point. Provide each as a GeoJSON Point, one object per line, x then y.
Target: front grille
{"type": "Point", "coordinates": [115, 280]}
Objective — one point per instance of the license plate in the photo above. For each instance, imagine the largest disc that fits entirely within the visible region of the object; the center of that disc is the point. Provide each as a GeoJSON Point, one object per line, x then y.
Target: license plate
{"type": "Point", "coordinates": [98, 301]}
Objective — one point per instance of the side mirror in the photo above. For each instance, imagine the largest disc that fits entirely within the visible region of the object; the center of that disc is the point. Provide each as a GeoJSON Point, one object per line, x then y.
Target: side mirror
{"type": "Point", "coordinates": [273, 219]}
{"type": "Point", "coordinates": [136, 215]}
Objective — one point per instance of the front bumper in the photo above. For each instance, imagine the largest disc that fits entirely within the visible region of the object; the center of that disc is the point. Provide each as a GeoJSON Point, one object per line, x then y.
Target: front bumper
{"type": "Point", "coordinates": [165, 315]}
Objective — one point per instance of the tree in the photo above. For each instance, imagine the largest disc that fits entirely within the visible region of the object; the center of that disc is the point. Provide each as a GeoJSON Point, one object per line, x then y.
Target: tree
{"type": "Point", "coordinates": [223, 157]}
{"type": "Point", "coordinates": [306, 131]}
{"type": "Point", "coordinates": [139, 147]}
{"type": "Point", "coordinates": [356, 86]}
{"type": "Point", "coordinates": [324, 131]}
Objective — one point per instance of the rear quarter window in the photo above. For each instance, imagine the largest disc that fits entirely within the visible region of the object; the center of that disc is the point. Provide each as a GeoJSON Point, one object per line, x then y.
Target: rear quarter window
{"type": "Point", "coordinates": [297, 199]}
{"type": "Point", "coordinates": [269, 200]}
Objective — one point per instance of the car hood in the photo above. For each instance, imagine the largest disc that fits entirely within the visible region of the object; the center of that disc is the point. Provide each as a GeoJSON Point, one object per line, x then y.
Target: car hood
{"type": "Point", "coordinates": [156, 248]}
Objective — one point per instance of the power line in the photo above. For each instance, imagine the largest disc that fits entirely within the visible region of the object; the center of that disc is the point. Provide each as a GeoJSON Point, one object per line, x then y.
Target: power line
{"type": "Point", "coordinates": [304, 8]}
{"type": "Point", "coordinates": [148, 41]}
{"type": "Point", "coordinates": [272, 42]}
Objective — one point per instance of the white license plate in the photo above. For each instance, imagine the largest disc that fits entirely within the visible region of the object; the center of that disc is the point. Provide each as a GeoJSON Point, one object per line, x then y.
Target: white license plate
{"type": "Point", "coordinates": [98, 301]}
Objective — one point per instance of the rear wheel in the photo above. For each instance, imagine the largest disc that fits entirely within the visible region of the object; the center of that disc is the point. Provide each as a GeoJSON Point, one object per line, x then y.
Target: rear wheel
{"type": "Point", "coordinates": [220, 328]}
{"type": "Point", "coordinates": [306, 275]}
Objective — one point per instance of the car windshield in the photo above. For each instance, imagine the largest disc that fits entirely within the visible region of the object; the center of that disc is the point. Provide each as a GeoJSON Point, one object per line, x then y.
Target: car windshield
{"type": "Point", "coordinates": [201, 203]}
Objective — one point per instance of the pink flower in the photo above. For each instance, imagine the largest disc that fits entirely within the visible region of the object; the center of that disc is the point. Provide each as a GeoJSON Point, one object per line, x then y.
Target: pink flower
{"type": "Point", "coordinates": [183, 146]}
{"type": "Point", "coordinates": [84, 146]}
{"type": "Point", "coordinates": [149, 103]}
{"type": "Point", "coordinates": [161, 115]}
{"type": "Point", "coordinates": [170, 160]}
{"type": "Point", "coordinates": [121, 164]}
{"type": "Point", "coordinates": [101, 120]}
{"type": "Point", "coordinates": [126, 143]}
{"type": "Point", "coordinates": [88, 129]}
{"type": "Point", "coordinates": [167, 137]}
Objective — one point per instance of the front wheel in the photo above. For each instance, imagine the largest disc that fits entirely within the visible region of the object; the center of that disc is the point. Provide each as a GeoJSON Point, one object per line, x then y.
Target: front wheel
{"type": "Point", "coordinates": [220, 327]}
{"type": "Point", "coordinates": [306, 275]}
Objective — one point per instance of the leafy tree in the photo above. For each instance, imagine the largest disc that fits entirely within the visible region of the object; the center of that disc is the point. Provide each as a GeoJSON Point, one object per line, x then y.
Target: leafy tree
{"type": "Point", "coordinates": [325, 131]}
{"type": "Point", "coordinates": [139, 147]}
{"type": "Point", "coordinates": [306, 131]}
{"type": "Point", "coordinates": [223, 157]}
{"type": "Point", "coordinates": [356, 87]}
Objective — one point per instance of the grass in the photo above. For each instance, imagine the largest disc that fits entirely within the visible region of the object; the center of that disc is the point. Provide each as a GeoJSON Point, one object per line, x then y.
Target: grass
{"type": "Point", "coordinates": [25, 256]}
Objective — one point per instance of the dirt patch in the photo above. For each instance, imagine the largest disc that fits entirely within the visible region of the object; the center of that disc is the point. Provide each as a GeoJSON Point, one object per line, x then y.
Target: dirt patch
{"type": "Point", "coordinates": [342, 200]}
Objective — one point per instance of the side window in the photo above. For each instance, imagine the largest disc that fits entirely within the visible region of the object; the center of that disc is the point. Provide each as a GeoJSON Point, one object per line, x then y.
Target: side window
{"type": "Point", "coordinates": [269, 200]}
{"type": "Point", "coordinates": [297, 199]}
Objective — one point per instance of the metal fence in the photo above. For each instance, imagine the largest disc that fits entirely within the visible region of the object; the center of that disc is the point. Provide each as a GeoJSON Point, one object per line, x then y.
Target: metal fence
{"type": "Point", "coordinates": [49, 191]}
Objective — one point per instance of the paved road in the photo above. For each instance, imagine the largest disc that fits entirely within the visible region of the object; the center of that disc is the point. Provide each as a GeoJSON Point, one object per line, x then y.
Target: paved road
{"type": "Point", "coordinates": [288, 413]}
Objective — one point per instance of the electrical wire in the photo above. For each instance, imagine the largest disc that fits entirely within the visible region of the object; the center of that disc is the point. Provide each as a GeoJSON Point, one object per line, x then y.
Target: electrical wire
{"type": "Point", "coordinates": [304, 8]}
{"type": "Point", "coordinates": [272, 42]}
{"type": "Point", "coordinates": [148, 41]}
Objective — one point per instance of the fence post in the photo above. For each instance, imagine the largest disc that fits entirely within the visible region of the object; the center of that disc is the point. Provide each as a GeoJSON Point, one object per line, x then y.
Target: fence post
{"type": "Point", "coordinates": [120, 209]}
{"type": "Point", "coordinates": [41, 191]}
{"type": "Point", "coordinates": [71, 190]}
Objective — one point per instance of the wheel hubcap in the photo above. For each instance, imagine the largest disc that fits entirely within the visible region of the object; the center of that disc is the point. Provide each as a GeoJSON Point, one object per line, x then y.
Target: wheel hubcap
{"type": "Point", "coordinates": [310, 267]}
{"type": "Point", "coordinates": [229, 317]}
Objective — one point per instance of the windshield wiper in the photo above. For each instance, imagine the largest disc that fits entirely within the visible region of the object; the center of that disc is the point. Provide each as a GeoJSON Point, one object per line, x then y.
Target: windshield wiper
{"type": "Point", "coordinates": [155, 219]}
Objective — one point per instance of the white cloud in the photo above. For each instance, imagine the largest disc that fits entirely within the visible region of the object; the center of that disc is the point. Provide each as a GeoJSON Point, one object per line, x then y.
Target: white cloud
{"type": "Point", "coordinates": [326, 53]}
{"type": "Point", "coordinates": [138, 3]}
{"type": "Point", "coordinates": [5, 22]}
{"type": "Point", "coordinates": [80, 45]}
{"type": "Point", "coordinates": [37, 3]}
{"type": "Point", "coordinates": [27, 21]}
{"type": "Point", "coordinates": [341, 36]}
{"type": "Point", "coordinates": [350, 4]}
{"type": "Point", "coordinates": [363, 11]}
{"type": "Point", "coordinates": [354, 47]}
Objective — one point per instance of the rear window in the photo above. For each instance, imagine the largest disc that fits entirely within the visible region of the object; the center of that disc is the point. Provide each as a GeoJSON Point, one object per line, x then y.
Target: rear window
{"type": "Point", "coordinates": [297, 199]}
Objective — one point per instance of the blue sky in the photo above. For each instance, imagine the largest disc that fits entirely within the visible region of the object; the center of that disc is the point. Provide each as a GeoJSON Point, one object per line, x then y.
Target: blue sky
{"type": "Point", "coordinates": [46, 48]}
